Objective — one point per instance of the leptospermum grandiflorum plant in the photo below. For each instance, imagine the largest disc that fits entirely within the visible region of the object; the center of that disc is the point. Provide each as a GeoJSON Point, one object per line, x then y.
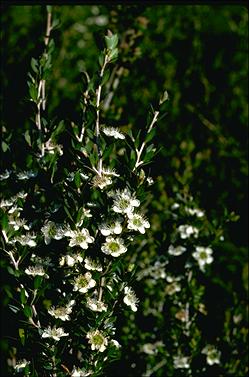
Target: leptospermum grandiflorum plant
{"type": "Point", "coordinates": [68, 226]}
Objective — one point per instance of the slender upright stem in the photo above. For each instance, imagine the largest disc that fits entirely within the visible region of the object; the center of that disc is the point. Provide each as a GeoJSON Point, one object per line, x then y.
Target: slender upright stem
{"type": "Point", "coordinates": [97, 132]}
{"type": "Point", "coordinates": [140, 151]}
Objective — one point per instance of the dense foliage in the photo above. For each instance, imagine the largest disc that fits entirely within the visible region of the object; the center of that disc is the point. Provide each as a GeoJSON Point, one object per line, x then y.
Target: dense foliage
{"type": "Point", "coordinates": [62, 102]}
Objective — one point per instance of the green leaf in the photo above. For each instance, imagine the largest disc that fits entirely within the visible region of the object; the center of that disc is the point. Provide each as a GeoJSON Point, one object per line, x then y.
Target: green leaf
{"type": "Point", "coordinates": [113, 55]}
{"type": "Point", "coordinates": [111, 41]}
{"type": "Point", "coordinates": [106, 77]}
{"type": "Point", "coordinates": [55, 23]}
{"type": "Point", "coordinates": [27, 310]}
{"type": "Point", "coordinates": [37, 282]}
{"type": "Point", "coordinates": [33, 92]}
{"type": "Point", "coordinates": [27, 137]}
{"type": "Point", "coordinates": [59, 129]}
{"type": "Point", "coordinates": [5, 146]}
{"type": "Point", "coordinates": [77, 179]}
{"type": "Point", "coordinates": [21, 333]}
{"type": "Point", "coordinates": [34, 65]}
{"type": "Point", "coordinates": [49, 8]}
{"type": "Point", "coordinates": [68, 213]}
{"type": "Point", "coordinates": [150, 135]}
{"type": "Point", "coordinates": [23, 296]}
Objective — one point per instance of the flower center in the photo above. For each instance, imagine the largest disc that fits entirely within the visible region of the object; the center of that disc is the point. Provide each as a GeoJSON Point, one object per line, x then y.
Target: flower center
{"type": "Point", "coordinates": [113, 246]}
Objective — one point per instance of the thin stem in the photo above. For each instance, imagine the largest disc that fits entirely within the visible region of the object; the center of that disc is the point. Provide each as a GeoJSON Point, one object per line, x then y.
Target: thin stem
{"type": "Point", "coordinates": [140, 151]}
{"type": "Point", "coordinates": [97, 132]}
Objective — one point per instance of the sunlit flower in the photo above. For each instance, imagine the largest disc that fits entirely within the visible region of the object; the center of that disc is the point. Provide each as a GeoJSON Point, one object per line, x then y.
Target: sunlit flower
{"type": "Point", "coordinates": [19, 223]}
{"type": "Point", "coordinates": [70, 260]}
{"type": "Point", "coordinates": [101, 181]}
{"type": "Point", "coordinates": [172, 288]}
{"type": "Point", "coordinates": [55, 333]}
{"type": "Point", "coordinates": [178, 250]}
{"type": "Point", "coordinates": [212, 354]}
{"type": "Point", "coordinates": [115, 343]}
{"type": "Point", "coordinates": [203, 255]}
{"type": "Point", "coordinates": [137, 222]}
{"type": "Point", "coordinates": [113, 246]}
{"type": "Point", "coordinates": [62, 312]}
{"type": "Point", "coordinates": [114, 132]}
{"type": "Point", "coordinates": [5, 175]}
{"type": "Point", "coordinates": [187, 231]}
{"type": "Point", "coordinates": [80, 238]}
{"type": "Point", "coordinates": [124, 202]}
{"type": "Point", "coordinates": [181, 362]}
{"type": "Point", "coordinates": [114, 227]}
{"type": "Point", "coordinates": [50, 231]}
{"type": "Point", "coordinates": [97, 340]}
{"type": "Point", "coordinates": [27, 239]}
{"type": "Point", "coordinates": [93, 265]}
{"type": "Point", "coordinates": [83, 283]}
{"type": "Point", "coordinates": [194, 211]}
{"type": "Point", "coordinates": [130, 298]}
{"type": "Point", "coordinates": [36, 271]}
{"type": "Point", "coordinates": [26, 175]}
{"type": "Point", "coordinates": [96, 305]}
{"type": "Point", "coordinates": [77, 372]}
{"type": "Point", "coordinates": [21, 364]}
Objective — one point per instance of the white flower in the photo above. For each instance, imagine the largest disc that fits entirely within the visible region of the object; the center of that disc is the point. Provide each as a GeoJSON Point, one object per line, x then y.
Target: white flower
{"type": "Point", "coordinates": [172, 288]}
{"type": "Point", "coordinates": [113, 246]}
{"type": "Point", "coordinates": [137, 222]}
{"type": "Point", "coordinates": [97, 340]}
{"type": "Point", "coordinates": [130, 298]}
{"type": "Point", "coordinates": [175, 206]}
{"type": "Point", "coordinates": [187, 231]}
{"type": "Point", "coordinates": [101, 181]}
{"type": "Point", "coordinates": [55, 333]}
{"type": "Point", "coordinates": [62, 312]}
{"type": "Point", "coordinates": [181, 362]}
{"type": "Point", "coordinates": [124, 202]}
{"type": "Point", "coordinates": [213, 355]}
{"type": "Point", "coordinates": [26, 239]}
{"type": "Point", "coordinates": [70, 260]}
{"type": "Point", "coordinates": [51, 230]}
{"type": "Point", "coordinates": [194, 211]}
{"type": "Point", "coordinates": [77, 372]}
{"type": "Point", "coordinates": [114, 132]}
{"type": "Point", "coordinates": [84, 282]}
{"type": "Point", "coordinates": [91, 264]}
{"type": "Point", "coordinates": [36, 271]}
{"type": "Point", "coordinates": [80, 238]}
{"type": "Point", "coordinates": [111, 228]}
{"type": "Point", "coordinates": [19, 223]}
{"type": "Point", "coordinates": [5, 175]}
{"type": "Point", "coordinates": [203, 255]}
{"type": "Point", "coordinates": [96, 305]}
{"type": "Point", "coordinates": [115, 343]}
{"type": "Point", "coordinates": [26, 175]}
{"type": "Point", "coordinates": [178, 250]}
{"type": "Point", "coordinates": [21, 364]}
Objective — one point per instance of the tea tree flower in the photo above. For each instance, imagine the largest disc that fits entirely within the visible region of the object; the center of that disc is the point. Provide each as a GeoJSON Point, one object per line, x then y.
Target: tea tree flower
{"type": "Point", "coordinates": [124, 202]}
{"type": "Point", "coordinates": [80, 238]}
{"type": "Point", "coordinates": [172, 288]}
{"type": "Point", "coordinates": [181, 362]}
{"type": "Point", "coordinates": [203, 255]}
{"type": "Point", "coordinates": [70, 260]}
{"type": "Point", "coordinates": [113, 132]}
{"type": "Point", "coordinates": [97, 340]}
{"type": "Point", "coordinates": [62, 312]}
{"type": "Point", "coordinates": [21, 364]}
{"type": "Point", "coordinates": [51, 230]}
{"type": "Point", "coordinates": [55, 333]}
{"type": "Point", "coordinates": [36, 271]}
{"type": "Point", "coordinates": [115, 227]}
{"type": "Point", "coordinates": [212, 354]}
{"type": "Point", "coordinates": [5, 175]}
{"type": "Point", "coordinates": [83, 283]}
{"type": "Point", "coordinates": [194, 211]}
{"type": "Point", "coordinates": [27, 239]}
{"type": "Point", "coordinates": [130, 298]}
{"type": "Point", "coordinates": [176, 251]}
{"type": "Point", "coordinates": [96, 305]}
{"type": "Point", "coordinates": [187, 231]}
{"type": "Point", "coordinates": [91, 264]}
{"type": "Point", "coordinates": [114, 246]}
{"type": "Point", "coordinates": [137, 222]}
{"type": "Point", "coordinates": [77, 372]}
{"type": "Point", "coordinates": [101, 181]}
